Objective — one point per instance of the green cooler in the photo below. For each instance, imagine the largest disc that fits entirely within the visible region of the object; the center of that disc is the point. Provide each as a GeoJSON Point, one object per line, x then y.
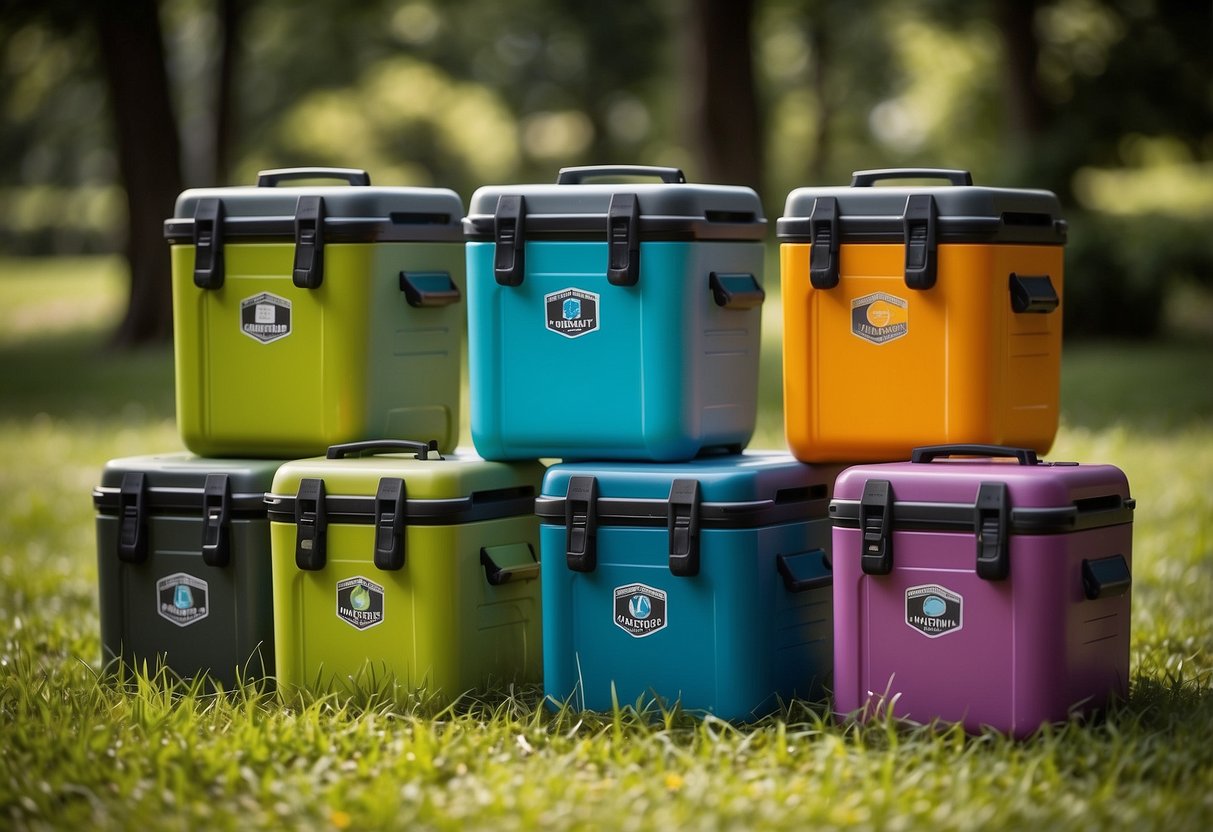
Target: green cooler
{"type": "Point", "coordinates": [183, 562]}
{"type": "Point", "coordinates": [394, 562]}
{"type": "Point", "coordinates": [310, 316]}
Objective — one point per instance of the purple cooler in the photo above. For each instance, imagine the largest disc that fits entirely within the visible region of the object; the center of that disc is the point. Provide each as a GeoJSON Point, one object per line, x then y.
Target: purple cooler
{"type": "Point", "coordinates": [986, 591]}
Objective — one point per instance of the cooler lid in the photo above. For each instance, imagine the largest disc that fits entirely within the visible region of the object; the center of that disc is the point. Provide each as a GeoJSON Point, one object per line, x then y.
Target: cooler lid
{"type": "Point", "coordinates": [575, 208]}
{"type": "Point", "coordinates": [961, 211]}
{"type": "Point", "coordinates": [353, 480]}
{"type": "Point", "coordinates": [352, 213]}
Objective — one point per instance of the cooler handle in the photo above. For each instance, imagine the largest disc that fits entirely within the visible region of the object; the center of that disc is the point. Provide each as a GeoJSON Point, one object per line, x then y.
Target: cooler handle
{"type": "Point", "coordinates": [805, 570]}
{"type": "Point", "coordinates": [865, 178]}
{"type": "Point", "coordinates": [578, 175]}
{"type": "Point", "coordinates": [1032, 293]}
{"type": "Point", "coordinates": [735, 291]}
{"type": "Point", "coordinates": [1106, 577]}
{"type": "Point", "coordinates": [1026, 456]}
{"type": "Point", "coordinates": [354, 176]}
{"type": "Point", "coordinates": [511, 562]}
{"type": "Point", "coordinates": [425, 450]}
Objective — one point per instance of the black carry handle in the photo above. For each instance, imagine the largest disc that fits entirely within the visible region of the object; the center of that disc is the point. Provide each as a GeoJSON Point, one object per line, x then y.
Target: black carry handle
{"type": "Point", "coordinates": [1026, 456]}
{"type": "Point", "coordinates": [270, 178]}
{"type": "Point", "coordinates": [1032, 293]}
{"type": "Point", "coordinates": [1106, 577]}
{"type": "Point", "coordinates": [425, 450]}
{"type": "Point", "coordinates": [805, 570]}
{"type": "Point", "coordinates": [578, 175]}
{"type": "Point", "coordinates": [866, 178]}
{"type": "Point", "coordinates": [735, 291]}
{"type": "Point", "coordinates": [511, 562]}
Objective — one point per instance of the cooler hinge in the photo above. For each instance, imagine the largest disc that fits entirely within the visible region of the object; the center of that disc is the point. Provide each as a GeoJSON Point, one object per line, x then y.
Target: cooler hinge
{"type": "Point", "coordinates": [876, 527]}
{"type": "Point", "coordinates": [509, 234]}
{"type": "Point", "coordinates": [309, 242]}
{"type": "Point", "coordinates": [682, 522]}
{"type": "Point", "coordinates": [992, 511]}
{"type": "Point", "coordinates": [311, 525]}
{"type": "Point", "coordinates": [389, 523]}
{"type": "Point", "coordinates": [132, 518]}
{"type": "Point", "coordinates": [581, 524]}
{"type": "Point", "coordinates": [216, 519]}
{"type": "Point", "coordinates": [623, 240]}
{"type": "Point", "coordinates": [208, 243]}
{"type": "Point", "coordinates": [921, 253]}
{"type": "Point", "coordinates": [823, 234]}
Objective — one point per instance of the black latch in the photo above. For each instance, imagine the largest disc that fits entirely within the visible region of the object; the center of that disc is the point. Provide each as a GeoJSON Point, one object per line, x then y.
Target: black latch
{"type": "Point", "coordinates": [623, 240]}
{"type": "Point", "coordinates": [132, 518]}
{"type": "Point", "coordinates": [311, 525]}
{"type": "Point", "coordinates": [208, 243]}
{"type": "Point", "coordinates": [426, 289]}
{"type": "Point", "coordinates": [509, 234]}
{"type": "Point", "coordinates": [389, 523]}
{"type": "Point", "coordinates": [823, 234]}
{"type": "Point", "coordinates": [216, 515]}
{"type": "Point", "coordinates": [1032, 293]}
{"type": "Point", "coordinates": [919, 222]}
{"type": "Point", "coordinates": [309, 242]}
{"type": "Point", "coordinates": [876, 527]}
{"type": "Point", "coordinates": [990, 522]}
{"type": "Point", "coordinates": [581, 524]}
{"type": "Point", "coordinates": [682, 522]}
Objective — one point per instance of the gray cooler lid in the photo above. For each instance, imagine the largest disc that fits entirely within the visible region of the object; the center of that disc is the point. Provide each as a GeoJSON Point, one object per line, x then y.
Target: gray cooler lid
{"type": "Point", "coordinates": [671, 209]}
{"type": "Point", "coordinates": [356, 212]}
{"type": "Point", "coordinates": [962, 212]}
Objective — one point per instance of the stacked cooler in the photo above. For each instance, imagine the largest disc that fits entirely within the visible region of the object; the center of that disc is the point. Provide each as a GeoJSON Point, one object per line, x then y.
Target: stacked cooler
{"type": "Point", "coordinates": [306, 319]}
{"type": "Point", "coordinates": [972, 582]}
{"type": "Point", "coordinates": [616, 327]}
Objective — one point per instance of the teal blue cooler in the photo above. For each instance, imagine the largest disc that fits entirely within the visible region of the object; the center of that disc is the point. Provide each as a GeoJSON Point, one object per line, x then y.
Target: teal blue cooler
{"type": "Point", "coordinates": [705, 583]}
{"type": "Point", "coordinates": [613, 321]}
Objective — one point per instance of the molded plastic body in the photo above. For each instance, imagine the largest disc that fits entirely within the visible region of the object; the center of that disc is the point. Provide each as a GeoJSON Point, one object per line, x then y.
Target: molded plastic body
{"type": "Point", "coordinates": [664, 373]}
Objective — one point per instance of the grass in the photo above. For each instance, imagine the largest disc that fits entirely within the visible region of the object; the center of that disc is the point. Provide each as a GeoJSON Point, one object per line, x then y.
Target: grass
{"type": "Point", "coordinates": [149, 752]}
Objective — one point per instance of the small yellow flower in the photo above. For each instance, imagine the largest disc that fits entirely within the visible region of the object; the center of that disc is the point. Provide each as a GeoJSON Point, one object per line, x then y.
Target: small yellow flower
{"type": "Point", "coordinates": [339, 819]}
{"type": "Point", "coordinates": [673, 781]}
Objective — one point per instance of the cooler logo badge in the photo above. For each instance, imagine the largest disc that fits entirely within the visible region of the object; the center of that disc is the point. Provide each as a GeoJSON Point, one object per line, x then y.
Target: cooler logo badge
{"type": "Point", "coordinates": [879, 318]}
{"type": "Point", "coordinates": [571, 312]}
{"type": "Point", "coordinates": [640, 610]}
{"type": "Point", "coordinates": [182, 599]}
{"type": "Point", "coordinates": [265, 317]}
{"type": "Point", "coordinates": [360, 602]}
{"type": "Point", "coordinates": [933, 610]}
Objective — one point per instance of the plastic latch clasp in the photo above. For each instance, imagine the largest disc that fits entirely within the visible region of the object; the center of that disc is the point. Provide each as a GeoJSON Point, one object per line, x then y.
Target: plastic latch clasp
{"type": "Point", "coordinates": [509, 236]}
{"type": "Point", "coordinates": [682, 523]}
{"type": "Point", "coordinates": [919, 225]}
{"type": "Point", "coordinates": [216, 519]}
{"type": "Point", "coordinates": [208, 243]}
{"type": "Point", "coordinates": [309, 242]}
{"type": "Point", "coordinates": [132, 518]}
{"type": "Point", "coordinates": [990, 522]}
{"type": "Point", "coordinates": [876, 527]}
{"type": "Point", "coordinates": [581, 524]}
{"type": "Point", "coordinates": [823, 235]}
{"type": "Point", "coordinates": [623, 240]}
{"type": "Point", "coordinates": [311, 525]}
{"type": "Point", "coordinates": [390, 511]}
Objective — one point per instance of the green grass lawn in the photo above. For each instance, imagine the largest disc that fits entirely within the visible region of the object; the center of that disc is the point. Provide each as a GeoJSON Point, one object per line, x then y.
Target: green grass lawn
{"type": "Point", "coordinates": [76, 752]}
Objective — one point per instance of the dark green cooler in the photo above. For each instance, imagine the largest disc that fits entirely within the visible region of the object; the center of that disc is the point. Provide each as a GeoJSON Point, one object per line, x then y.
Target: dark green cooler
{"type": "Point", "coordinates": [183, 562]}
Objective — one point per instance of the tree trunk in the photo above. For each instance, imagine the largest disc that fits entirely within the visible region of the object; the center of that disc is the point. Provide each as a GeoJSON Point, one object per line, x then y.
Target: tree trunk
{"type": "Point", "coordinates": [1027, 110]}
{"type": "Point", "coordinates": [231, 20]}
{"type": "Point", "coordinates": [149, 158]}
{"type": "Point", "coordinates": [723, 123]}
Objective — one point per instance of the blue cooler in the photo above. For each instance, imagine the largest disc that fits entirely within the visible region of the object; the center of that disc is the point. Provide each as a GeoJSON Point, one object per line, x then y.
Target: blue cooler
{"type": "Point", "coordinates": [613, 321]}
{"type": "Point", "coordinates": [706, 582]}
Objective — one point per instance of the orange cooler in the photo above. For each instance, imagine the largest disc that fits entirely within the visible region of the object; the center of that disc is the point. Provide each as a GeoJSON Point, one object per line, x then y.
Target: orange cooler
{"type": "Point", "coordinates": [919, 315]}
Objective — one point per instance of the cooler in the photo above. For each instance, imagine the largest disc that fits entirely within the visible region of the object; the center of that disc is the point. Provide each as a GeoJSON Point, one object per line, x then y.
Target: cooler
{"type": "Point", "coordinates": [305, 317]}
{"type": "Point", "coordinates": [392, 561]}
{"type": "Point", "coordinates": [613, 321]}
{"type": "Point", "coordinates": [981, 591]}
{"type": "Point", "coordinates": [919, 315]}
{"type": "Point", "coordinates": [183, 562]}
{"type": "Point", "coordinates": [705, 583]}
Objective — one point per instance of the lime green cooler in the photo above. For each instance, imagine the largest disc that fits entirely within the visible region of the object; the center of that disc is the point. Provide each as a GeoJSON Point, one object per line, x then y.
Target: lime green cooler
{"type": "Point", "coordinates": [310, 316]}
{"type": "Point", "coordinates": [393, 562]}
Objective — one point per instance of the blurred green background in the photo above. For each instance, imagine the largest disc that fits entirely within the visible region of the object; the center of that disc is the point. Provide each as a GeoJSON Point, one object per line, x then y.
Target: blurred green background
{"type": "Point", "coordinates": [111, 108]}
